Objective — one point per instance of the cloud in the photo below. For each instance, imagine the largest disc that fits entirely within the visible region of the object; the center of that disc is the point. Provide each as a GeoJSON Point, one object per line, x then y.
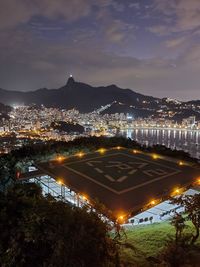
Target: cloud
{"type": "Point", "coordinates": [43, 65]}
{"type": "Point", "coordinates": [135, 5]}
{"type": "Point", "coordinates": [13, 12]}
{"type": "Point", "coordinates": [16, 12]}
{"type": "Point", "coordinates": [38, 53]}
{"type": "Point", "coordinates": [116, 31]}
{"type": "Point", "coordinates": [192, 57]}
{"type": "Point", "coordinates": [176, 42]}
{"type": "Point", "coordinates": [161, 30]}
{"type": "Point", "coordinates": [33, 66]}
{"type": "Point", "coordinates": [186, 14]}
{"type": "Point", "coordinates": [69, 10]}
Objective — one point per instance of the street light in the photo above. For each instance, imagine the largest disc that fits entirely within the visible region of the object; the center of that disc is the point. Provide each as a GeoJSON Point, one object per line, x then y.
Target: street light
{"type": "Point", "coordinates": [60, 182]}
{"type": "Point", "coordinates": [177, 191]}
{"type": "Point", "coordinates": [120, 219]}
{"type": "Point", "coordinates": [102, 150]}
{"type": "Point", "coordinates": [80, 154]}
{"type": "Point", "coordinates": [153, 202]}
{"type": "Point", "coordinates": [60, 158]}
{"type": "Point", "coordinates": [155, 156]}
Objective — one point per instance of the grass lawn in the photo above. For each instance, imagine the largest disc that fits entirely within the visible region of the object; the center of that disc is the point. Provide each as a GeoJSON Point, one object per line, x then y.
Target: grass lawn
{"type": "Point", "coordinates": [148, 240]}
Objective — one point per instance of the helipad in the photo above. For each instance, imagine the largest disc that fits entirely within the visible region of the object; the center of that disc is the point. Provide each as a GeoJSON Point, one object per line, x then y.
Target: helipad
{"type": "Point", "coordinates": [123, 180]}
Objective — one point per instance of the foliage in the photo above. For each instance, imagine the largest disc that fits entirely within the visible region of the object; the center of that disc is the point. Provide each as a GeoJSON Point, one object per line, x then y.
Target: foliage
{"type": "Point", "coordinates": [182, 251]}
{"type": "Point", "coordinates": [179, 254]}
{"type": "Point", "coordinates": [67, 127]}
{"type": "Point", "coordinates": [151, 243]}
{"type": "Point", "coordinates": [191, 204]}
{"type": "Point", "coordinates": [179, 223]}
{"type": "Point", "coordinates": [40, 231]}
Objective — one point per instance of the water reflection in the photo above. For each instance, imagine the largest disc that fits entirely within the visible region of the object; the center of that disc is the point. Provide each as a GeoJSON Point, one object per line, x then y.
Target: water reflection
{"type": "Point", "coordinates": [188, 141]}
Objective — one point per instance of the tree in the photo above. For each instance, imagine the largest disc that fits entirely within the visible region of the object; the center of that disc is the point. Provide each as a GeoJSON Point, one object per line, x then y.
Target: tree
{"type": "Point", "coordinates": [179, 254]}
{"type": "Point", "coordinates": [40, 231]}
{"type": "Point", "coordinates": [191, 204]}
{"type": "Point", "coordinates": [179, 223]}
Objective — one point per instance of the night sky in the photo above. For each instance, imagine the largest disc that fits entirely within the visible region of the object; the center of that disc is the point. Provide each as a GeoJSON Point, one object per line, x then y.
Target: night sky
{"type": "Point", "coordinates": [150, 46]}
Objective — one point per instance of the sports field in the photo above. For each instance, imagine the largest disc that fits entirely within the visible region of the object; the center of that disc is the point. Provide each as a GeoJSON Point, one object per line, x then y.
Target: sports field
{"type": "Point", "coordinates": [123, 180]}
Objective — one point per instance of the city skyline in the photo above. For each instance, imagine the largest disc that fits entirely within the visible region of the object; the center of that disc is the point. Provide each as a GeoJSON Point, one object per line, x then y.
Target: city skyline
{"type": "Point", "coordinates": [151, 47]}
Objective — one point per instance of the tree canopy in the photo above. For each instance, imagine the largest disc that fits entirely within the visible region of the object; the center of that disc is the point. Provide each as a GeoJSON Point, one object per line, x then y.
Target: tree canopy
{"type": "Point", "coordinates": [41, 231]}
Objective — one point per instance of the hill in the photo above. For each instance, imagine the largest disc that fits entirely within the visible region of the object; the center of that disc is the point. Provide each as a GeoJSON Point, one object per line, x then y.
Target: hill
{"type": "Point", "coordinates": [87, 98]}
{"type": "Point", "coordinates": [4, 109]}
{"type": "Point", "coordinates": [67, 127]}
{"type": "Point", "coordinates": [78, 95]}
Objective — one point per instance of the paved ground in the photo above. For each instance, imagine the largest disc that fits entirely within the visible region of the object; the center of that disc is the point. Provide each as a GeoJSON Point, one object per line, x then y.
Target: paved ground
{"type": "Point", "coordinates": [120, 179]}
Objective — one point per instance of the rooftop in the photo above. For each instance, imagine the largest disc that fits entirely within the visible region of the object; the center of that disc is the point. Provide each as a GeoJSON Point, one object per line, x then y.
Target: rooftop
{"type": "Point", "coordinates": [123, 180]}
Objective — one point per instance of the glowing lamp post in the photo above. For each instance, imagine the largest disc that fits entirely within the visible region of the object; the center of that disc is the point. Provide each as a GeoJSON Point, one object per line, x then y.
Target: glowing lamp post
{"type": "Point", "coordinates": [60, 159]}
{"type": "Point", "coordinates": [102, 150]}
{"type": "Point", "coordinates": [155, 156]}
{"type": "Point", "coordinates": [80, 154]}
{"type": "Point", "coordinates": [177, 191]}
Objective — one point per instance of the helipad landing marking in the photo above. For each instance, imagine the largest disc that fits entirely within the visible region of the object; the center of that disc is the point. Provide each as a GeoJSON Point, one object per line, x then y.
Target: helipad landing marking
{"type": "Point", "coordinates": [125, 190]}
{"type": "Point", "coordinates": [151, 162]}
{"type": "Point", "coordinates": [121, 179]}
{"type": "Point", "coordinates": [155, 172]}
{"type": "Point", "coordinates": [116, 154]}
{"type": "Point", "coordinates": [133, 171]}
{"type": "Point", "coordinates": [123, 166]}
{"type": "Point", "coordinates": [91, 179]}
{"type": "Point", "coordinates": [91, 163]}
{"type": "Point", "coordinates": [109, 178]}
{"type": "Point", "coordinates": [98, 170]}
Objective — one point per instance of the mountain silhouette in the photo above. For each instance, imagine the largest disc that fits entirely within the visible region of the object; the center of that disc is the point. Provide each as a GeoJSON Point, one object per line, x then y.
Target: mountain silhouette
{"type": "Point", "coordinates": [78, 95]}
{"type": "Point", "coordinates": [87, 98]}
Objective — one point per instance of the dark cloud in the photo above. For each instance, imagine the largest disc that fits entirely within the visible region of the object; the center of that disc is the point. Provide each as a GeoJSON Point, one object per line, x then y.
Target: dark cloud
{"type": "Point", "coordinates": [101, 42]}
{"type": "Point", "coordinates": [186, 13]}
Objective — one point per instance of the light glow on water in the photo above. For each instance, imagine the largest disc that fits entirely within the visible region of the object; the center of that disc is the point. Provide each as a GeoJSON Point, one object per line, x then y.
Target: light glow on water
{"type": "Point", "coordinates": [188, 141]}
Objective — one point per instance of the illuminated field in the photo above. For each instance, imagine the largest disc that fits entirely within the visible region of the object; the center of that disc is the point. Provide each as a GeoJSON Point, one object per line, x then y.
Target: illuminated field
{"type": "Point", "coordinates": [123, 180]}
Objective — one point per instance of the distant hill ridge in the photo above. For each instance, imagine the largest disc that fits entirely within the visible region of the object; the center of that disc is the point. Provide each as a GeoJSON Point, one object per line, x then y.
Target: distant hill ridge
{"type": "Point", "coordinates": [87, 98]}
{"type": "Point", "coordinates": [4, 110]}
{"type": "Point", "coordinates": [75, 95]}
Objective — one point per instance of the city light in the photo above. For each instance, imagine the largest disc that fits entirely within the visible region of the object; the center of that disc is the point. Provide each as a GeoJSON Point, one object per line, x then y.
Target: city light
{"type": "Point", "coordinates": [198, 181]}
{"type": "Point", "coordinates": [60, 158]}
{"type": "Point", "coordinates": [177, 191]}
{"type": "Point", "coordinates": [102, 150]}
{"type": "Point", "coordinates": [120, 219]}
{"type": "Point", "coordinates": [80, 154]}
{"type": "Point", "coordinates": [135, 151]}
{"type": "Point", "coordinates": [84, 197]}
{"type": "Point", "coordinates": [155, 156]}
{"type": "Point", "coordinates": [153, 202]}
{"type": "Point", "coordinates": [60, 182]}
{"type": "Point", "coordinates": [180, 163]}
